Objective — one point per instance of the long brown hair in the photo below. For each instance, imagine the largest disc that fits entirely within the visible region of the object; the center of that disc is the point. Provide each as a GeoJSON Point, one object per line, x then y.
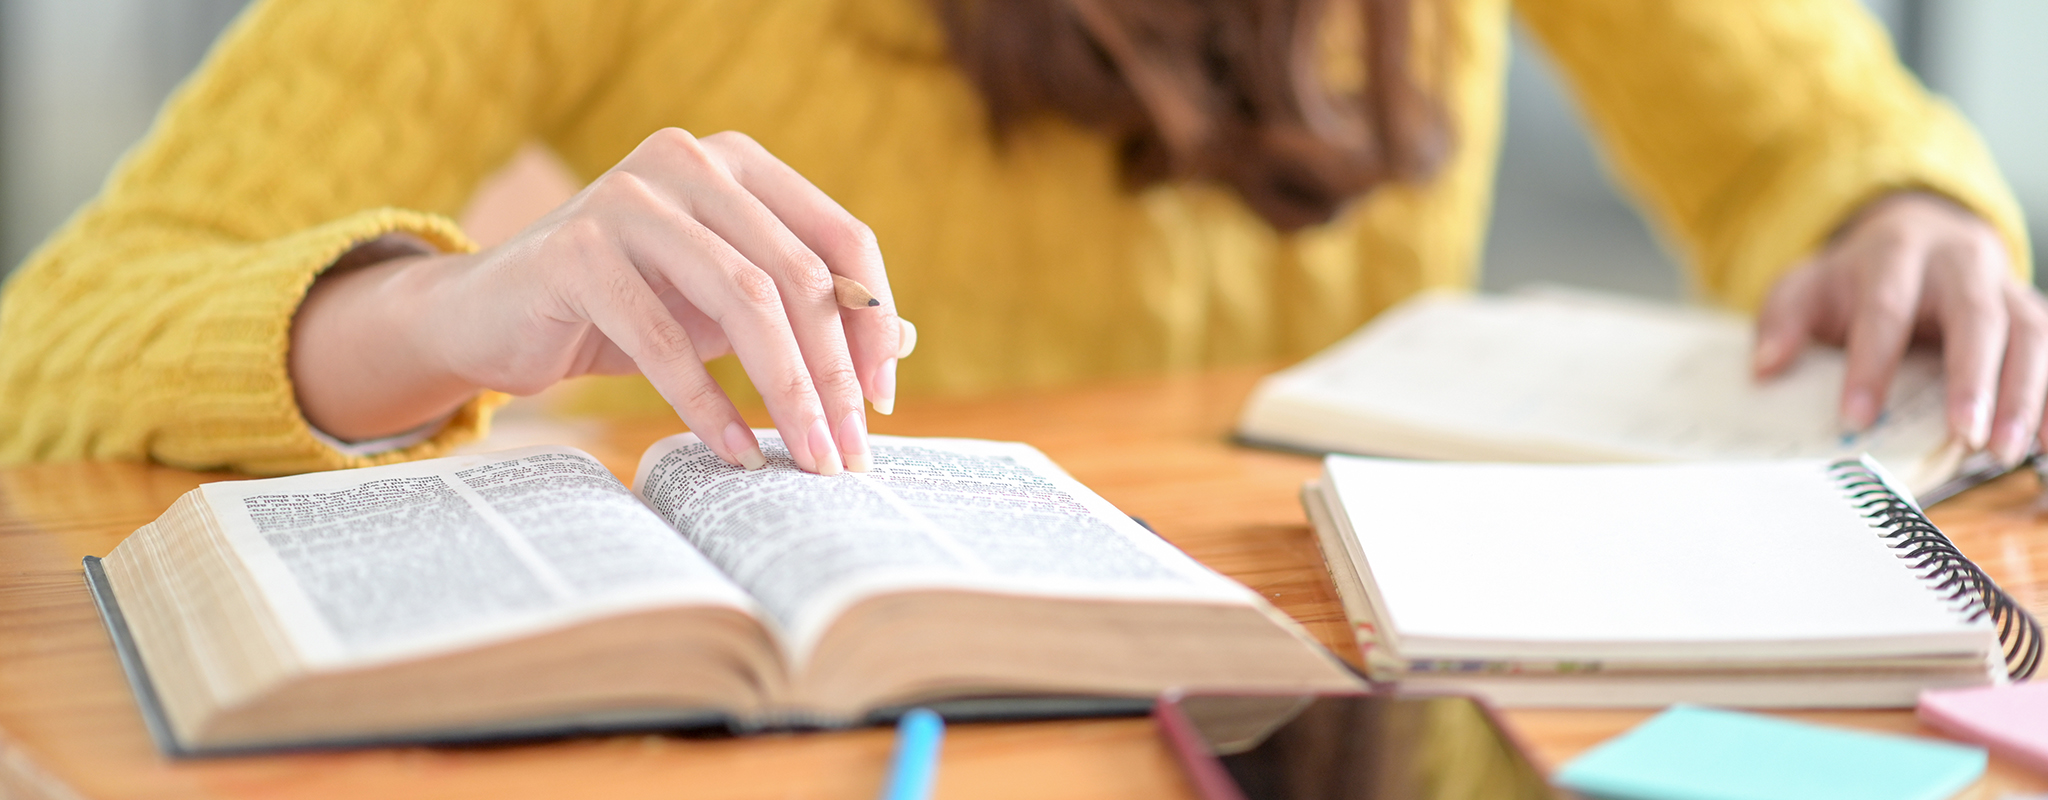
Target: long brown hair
{"type": "Point", "coordinates": [1225, 90]}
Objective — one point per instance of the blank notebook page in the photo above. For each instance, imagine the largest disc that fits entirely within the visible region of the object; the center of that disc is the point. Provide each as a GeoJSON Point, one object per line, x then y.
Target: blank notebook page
{"type": "Point", "coordinates": [1664, 561]}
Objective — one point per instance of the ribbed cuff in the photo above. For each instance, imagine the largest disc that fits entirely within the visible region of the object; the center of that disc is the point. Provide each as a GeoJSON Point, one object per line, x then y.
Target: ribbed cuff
{"type": "Point", "coordinates": [1796, 212]}
{"type": "Point", "coordinates": [232, 388]}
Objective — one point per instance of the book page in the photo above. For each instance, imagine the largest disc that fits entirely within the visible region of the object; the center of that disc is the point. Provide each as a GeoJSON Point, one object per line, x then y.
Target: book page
{"type": "Point", "coordinates": [392, 561]}
{"type": "Point", "coordinates": [932, 513]}
{"type": "Point", "coordinates": [1585, 376]}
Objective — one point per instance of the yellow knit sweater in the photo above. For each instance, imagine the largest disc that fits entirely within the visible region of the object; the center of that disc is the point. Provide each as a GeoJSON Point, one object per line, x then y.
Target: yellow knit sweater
{"type": "Point", "coordinates": [154, 325]}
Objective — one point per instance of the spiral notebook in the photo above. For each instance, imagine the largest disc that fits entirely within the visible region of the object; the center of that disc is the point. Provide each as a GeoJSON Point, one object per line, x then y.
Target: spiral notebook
{"type": "Point", "coordinates": [1773, 583]}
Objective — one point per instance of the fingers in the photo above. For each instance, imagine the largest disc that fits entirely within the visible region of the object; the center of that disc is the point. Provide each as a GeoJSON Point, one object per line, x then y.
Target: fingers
{"type": "Point", "coordinates": [1880, 327]}
{"type": "Point", "coordinates": [668, 247]}
{"type": "Point", "coordinates": [1968, 290]}
{"type": "Point", "coordinates": [655, 248]}
{"type": "Point", "coordinates": [1786, 321]}
{"type": "Point", "coordinates": [715, 244]}
{"type": "Point", "coordinates": [1912, 260]}
{"type": "Point", "coordinates": [846, 245]}
{"type": "Point", "coordinates": [704, 183]}
{"type": "Point", "coordinates": [629, 314]}
{"type": "Point", "coordinates": [2023, 381]}
{"type": "Point", "coordinates": [885, 378]}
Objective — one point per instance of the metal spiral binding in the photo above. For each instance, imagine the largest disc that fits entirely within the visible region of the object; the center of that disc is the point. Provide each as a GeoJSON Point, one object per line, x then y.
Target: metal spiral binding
{"type": "Point", "coordinates": [1936, 559]}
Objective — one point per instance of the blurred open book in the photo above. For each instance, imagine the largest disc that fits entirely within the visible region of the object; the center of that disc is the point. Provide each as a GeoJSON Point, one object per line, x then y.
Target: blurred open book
{"type": "Point", "coordinates": [1566, 375]}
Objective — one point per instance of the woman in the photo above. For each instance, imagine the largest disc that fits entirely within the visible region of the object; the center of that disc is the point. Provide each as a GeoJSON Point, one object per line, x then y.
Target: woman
{"type": "Point", "coordinates": [1065, 189]}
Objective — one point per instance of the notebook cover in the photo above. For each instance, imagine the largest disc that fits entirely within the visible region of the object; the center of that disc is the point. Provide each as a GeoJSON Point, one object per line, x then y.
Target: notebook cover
{"type": "Point", "coordinates": [160, 731]}
{"type": "Point", "coordinates": [1695, 753]}
{"type": "Point", "coordinates": [2012, 720]}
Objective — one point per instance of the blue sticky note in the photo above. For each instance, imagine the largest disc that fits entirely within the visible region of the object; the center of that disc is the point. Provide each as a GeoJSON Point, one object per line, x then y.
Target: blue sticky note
{"type": "Point", "coordinates": [1692, 753]}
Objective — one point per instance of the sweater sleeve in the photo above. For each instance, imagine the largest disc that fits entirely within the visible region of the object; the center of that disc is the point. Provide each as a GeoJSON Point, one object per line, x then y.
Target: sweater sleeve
{"type": "Point", "coordinates": [155, 324]}
{"type": "Point", "coordinates": [1752, 130]}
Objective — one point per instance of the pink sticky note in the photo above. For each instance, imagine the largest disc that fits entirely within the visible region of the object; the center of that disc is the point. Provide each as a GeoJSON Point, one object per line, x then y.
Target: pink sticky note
{"type": "Point", "coordinates": [2011, 720]}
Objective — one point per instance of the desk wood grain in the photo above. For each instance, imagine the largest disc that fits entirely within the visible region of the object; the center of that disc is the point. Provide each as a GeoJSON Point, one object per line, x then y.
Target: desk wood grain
{"type": "Point", "coordinates": [1156, 448]}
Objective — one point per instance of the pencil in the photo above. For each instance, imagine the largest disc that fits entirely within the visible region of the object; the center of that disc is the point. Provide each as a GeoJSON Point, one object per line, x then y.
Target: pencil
{"type": "Point", "coordinates": [851, 294]}
{"type": "Point", "coordinates": [916, 763]}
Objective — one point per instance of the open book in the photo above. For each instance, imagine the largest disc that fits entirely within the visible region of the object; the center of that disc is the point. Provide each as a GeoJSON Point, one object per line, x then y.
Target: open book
{"type": "Point", "coordinates": [528, 592]}
{"type": "Point", "coordinates": [1765, 583]}
{"type": "Point", "coordinates": [1568, 375]}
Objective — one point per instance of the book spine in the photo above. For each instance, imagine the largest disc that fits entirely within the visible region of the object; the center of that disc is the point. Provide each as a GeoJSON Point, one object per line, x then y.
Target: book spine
{"type": "Point", "coordinates": [1936, 560]}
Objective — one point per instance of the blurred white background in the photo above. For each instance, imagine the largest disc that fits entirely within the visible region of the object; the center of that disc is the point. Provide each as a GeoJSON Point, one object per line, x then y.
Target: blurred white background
{"type": "Point", "coordinates": [80, 81]}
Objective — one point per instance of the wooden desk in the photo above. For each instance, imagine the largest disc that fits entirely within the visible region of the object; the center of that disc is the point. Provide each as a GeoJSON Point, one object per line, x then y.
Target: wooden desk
{"type": "Point", "coordinates": [68, 727]}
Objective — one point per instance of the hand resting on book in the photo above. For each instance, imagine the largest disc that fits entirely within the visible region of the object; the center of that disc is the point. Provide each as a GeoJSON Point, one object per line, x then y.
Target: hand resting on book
{"type": "Point", "coordinates": [1913, 265]}
{"type": "Point", "coordinates": [688, 249]}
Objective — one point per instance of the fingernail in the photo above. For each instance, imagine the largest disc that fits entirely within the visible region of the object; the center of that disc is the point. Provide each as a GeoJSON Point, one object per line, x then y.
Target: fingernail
{"type": "Point", "coordinates": [885, 389]}
{"type": "Point", "coordinates": [824, 457]}
{"type": "Point", "coordinates": [740, 442]}
{"type": "Point", "coordinates": [1768, 355]}
{"type": "Point", "coordinates": [2009, 444]}
{"type": "Point", "coordinates": [853, 441]}
{"type": "Point", "coordinates": [1859, 409]}
{"type": "Point", "coordinates": [1978, 427]}
{"type": "Point", "coordinates": [906, 340]}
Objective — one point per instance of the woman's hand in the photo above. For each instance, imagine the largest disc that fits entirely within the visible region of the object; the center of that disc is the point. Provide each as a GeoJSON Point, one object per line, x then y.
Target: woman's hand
{"type": "Point", "coordinates": [688, 249]}
{"type": "Point", "coordinates": [1913, 265]}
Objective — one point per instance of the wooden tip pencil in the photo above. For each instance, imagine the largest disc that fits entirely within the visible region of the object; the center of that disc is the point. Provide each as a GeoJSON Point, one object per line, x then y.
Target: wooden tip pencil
{"type": "Point", "coordinates": [851, 294]}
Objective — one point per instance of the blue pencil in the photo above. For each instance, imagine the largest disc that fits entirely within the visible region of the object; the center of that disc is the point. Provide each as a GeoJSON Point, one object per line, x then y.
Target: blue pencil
{"type": "Point", "coordinates": [916, 763]}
